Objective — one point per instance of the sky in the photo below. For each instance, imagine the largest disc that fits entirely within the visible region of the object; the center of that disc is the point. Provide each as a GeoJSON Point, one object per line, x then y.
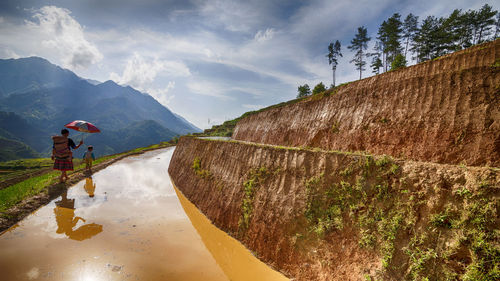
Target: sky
{"type": "Point", "coordinates": [209, 61]}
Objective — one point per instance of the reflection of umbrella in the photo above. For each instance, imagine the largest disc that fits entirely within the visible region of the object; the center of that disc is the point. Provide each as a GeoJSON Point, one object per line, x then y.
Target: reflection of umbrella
{"type": "Point", "coordinates": [82, 126]}
{"type": "Point", "coordinates": [85, 231]}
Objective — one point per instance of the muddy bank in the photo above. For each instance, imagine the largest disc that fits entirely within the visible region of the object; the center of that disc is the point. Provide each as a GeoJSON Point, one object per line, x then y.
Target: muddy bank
{"type": "Point", "coordinates": [446, 111]}
{"type": "Point", "coordinates": [29, 205]}
{"type": "Point", "coordinates": [318, 215]}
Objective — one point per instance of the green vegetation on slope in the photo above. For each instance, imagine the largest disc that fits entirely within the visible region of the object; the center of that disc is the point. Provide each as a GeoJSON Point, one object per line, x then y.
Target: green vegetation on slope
{"type": "Point", "coordinates": [16, 168]}
{"type": "Point", "coordinates": [13, 149]}
{"type": "Point", "coordinates": [458, 240]}
{"type": "Point", "coordinates": [254, 181]}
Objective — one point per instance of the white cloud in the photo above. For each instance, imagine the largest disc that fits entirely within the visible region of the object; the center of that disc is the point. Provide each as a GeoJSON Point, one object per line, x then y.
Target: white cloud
{"type": "Point", "coordinates": [266, 35]}
{"type": "Point", "coordinates": [139, 72]}
{"type": "Point", "coordinates": [207, 88]}
{"type": "Point", "coordinates": [161, 95]}
{"type": "Point", "coordinates": [53, 34]}
{"type": "Point", "coordinates": [63, 33]}
{"type": "Point", "coordinates": [232, 15]}
{"type": "Point", "coordinates": [8, 53]}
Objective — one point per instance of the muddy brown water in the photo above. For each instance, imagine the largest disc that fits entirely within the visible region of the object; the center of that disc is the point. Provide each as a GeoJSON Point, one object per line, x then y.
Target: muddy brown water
{"type": "Point", "coordinates": [126, 222]}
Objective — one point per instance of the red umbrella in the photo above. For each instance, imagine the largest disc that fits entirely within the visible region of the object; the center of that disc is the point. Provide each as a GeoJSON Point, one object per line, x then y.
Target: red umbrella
{"type": "Point", "coordinates": [82, 126]}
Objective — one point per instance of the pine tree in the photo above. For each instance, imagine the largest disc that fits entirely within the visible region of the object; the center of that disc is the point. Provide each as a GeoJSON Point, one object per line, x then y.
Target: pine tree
{"type": "Point", "coordinates": [382, 38]}
{"type": "Point", "coordinates": [359, 43]}
{"type": "Point", "coordinates": [304, 91]}
{"type": "Point", "coordinates": [410, 28]}
{"type": "Point", "coordinates": [376, 64]}
{"type": "Point", "coordinates": [449, 33]}
{"type": "Point", "coordinates": [465, 30]}
{"type": "Point", "coordinates": [485, 20]}
{"type": "Point", "coordinates": [319, 88]}
{"type": "Point", "coordinates": [393, 31]}
{"type": "Point", "coordinates": [333, 54]}
{"type": "Point", "coordinates": [425, 43]}
{"type": "Point", "coordinates": [497, 27]}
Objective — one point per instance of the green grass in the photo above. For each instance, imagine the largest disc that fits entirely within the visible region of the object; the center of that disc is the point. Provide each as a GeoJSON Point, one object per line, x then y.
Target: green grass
{"type": "Point", "coordinates": [254, 180]}
{"type": "Point", "coordinates": [203, 173]}
{"type": "Point", "coordinates": [17, 192]}
{"type": "Point", "coordinates": [15, 168]}
{"type": "Point", "coordinates": [26, 164]}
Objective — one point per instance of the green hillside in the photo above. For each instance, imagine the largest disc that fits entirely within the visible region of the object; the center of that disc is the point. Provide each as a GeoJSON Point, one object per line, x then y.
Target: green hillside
{"type": "Point", "coordinates": [13, 149]}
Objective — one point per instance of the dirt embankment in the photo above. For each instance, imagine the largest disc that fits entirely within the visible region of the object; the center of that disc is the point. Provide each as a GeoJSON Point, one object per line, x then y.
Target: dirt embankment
{"type": "Point", "coordinates": [318, 215]}
{"type": "Point", "coordinates": [445, 111]}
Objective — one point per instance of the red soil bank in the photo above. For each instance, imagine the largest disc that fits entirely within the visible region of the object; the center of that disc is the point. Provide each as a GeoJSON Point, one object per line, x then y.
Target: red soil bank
{"type": "Point", "coordinates": [446, 111]}
{"type": "Point", "coordinates": [406, 194]}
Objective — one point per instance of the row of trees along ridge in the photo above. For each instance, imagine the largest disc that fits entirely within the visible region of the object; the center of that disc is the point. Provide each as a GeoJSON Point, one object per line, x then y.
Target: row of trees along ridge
{"type": "Point", "coordinates": [399, 41]}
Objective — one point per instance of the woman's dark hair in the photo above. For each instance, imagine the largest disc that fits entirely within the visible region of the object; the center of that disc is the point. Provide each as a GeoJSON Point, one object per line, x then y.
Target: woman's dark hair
{"type": "Point", "coordinates": [64, 131]}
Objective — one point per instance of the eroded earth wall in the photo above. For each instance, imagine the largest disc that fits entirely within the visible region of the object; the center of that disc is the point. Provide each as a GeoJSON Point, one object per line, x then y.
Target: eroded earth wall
{"type": "Point", "coordinates": [446, 111]}
{"type": "Point", "coordinates": [317, 215]}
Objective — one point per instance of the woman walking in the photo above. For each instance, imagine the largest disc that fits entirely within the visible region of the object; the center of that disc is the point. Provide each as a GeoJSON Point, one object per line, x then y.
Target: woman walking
{"type": "Point", "coordinates": [61, 153]}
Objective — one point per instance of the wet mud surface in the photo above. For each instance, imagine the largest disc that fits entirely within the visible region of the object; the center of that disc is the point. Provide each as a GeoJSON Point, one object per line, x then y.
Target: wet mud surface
{"type": "Point", "coordinates": [122, 223]}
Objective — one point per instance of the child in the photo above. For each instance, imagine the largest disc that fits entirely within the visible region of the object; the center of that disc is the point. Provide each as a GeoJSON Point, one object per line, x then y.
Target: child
{"type": "Point", "coordinates": [88, 157]}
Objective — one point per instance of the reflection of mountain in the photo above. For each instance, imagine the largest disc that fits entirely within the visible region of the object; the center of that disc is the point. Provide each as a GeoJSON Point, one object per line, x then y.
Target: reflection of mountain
{"type": "Point", "coordinates": [66, 221]}
{"type": "Point", "coordinates": [43, 97]}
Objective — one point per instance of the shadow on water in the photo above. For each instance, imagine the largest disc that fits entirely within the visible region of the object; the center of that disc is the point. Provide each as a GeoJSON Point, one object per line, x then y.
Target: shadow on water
{"type": "Point", "coordinates": [89, 186]}
{"type": "Point", "coordinates": [66, 221]}
{"type": "Point", "coordinates": [233, 258]}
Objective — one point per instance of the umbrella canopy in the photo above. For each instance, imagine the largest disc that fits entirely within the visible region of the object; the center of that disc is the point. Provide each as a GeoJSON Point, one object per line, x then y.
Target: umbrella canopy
{"type": "Point", "coordinates": [82, 126]}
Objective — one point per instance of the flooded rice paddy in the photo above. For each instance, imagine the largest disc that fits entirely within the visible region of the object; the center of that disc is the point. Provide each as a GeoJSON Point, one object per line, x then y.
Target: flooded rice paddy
{"type": "Point", "coordinates": [125, 222]}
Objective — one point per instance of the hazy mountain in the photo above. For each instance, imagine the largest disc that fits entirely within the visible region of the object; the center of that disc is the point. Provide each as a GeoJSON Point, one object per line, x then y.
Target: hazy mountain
{"type": "Point", "coordinates": [42, 97]}
{"type": "Point", "coordinates": [26, 74]}
{"type": "Point", "coordinates": [14, 127]}
{"type": "Point", "coordinates": [93, 82]}
{"type": "Point", "coordinates": [138, 134]}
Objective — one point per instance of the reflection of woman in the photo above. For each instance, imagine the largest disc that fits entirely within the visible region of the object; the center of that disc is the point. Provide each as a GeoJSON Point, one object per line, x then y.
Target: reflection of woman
{"type": "Point", "coordinates": [61, 152]}
{"type": "Point", "coordinates": [66, 221]}
{"type": "Point", "coordinates": [65, 214]}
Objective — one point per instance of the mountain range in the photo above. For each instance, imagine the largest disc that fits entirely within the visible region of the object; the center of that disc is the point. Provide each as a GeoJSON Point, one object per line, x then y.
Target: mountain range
{"type": "Point", "coordinates": [37, 98]}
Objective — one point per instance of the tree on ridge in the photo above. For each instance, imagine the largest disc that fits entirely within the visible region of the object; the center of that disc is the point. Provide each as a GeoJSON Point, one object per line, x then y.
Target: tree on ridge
{"type": "Point", "coordinates": [304, 91]}
{"type": "Point", "coordinates": [319, 88]}
{"type": "Point", "coordinates": [359, 43]}
{"type": "Point", "coordinates": [410, 28]}
{"type": "Point", "coordinates": [333, 54]}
